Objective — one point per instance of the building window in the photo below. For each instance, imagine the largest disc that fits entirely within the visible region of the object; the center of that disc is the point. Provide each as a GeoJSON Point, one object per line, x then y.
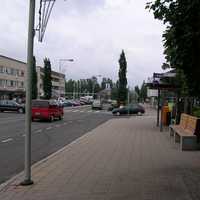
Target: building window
{"type": "Point", "coordinates": [1, 69]}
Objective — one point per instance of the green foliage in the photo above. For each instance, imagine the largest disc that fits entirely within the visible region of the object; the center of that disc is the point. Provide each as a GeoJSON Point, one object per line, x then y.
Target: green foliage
{"type": "Point", "coordinates": [196, 112]}
{"type": "Point", "coordinates": [122, 87]}
{"type": "Point", "coordinates": [143, 92]}
{"type": "Point", "coordinates": [47, 84]}
{"type": "Point", "coordinates": [34, 80]}
{"type": "Point", "coordinates": [181, 37]}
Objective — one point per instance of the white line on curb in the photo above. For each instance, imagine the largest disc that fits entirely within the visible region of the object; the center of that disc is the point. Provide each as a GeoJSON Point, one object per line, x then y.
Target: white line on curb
{"type": "Point", "coordinates": [38, 131]}
{"type": "Point", "coordinates": [7, 140]}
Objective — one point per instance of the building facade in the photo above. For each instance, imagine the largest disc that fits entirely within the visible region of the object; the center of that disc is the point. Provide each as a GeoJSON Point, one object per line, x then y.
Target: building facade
{"type": "Point", "coordinates": [58, 83]}
{"type": "Point", "coordinates": [13, 79]}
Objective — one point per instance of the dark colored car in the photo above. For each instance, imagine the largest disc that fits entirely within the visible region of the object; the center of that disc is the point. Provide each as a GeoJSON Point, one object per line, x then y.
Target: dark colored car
{"type": "Point", "coordinates": [10, 105]}
{"type": "Point", "coordinates": [67, 104]}
{"type": "Point", "coordinates": [131, 109]}
{"type": "Point", "coordinates": [46, 110]}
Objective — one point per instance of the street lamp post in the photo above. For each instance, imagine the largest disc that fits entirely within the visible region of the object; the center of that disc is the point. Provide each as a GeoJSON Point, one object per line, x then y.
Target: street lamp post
{"type": "Point", "coordinates": [60, 63]}
{"type": "Point", "coordinates": [31, 32]}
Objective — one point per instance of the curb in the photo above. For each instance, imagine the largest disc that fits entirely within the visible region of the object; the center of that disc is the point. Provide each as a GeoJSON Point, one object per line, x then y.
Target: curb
{"type": "Point", "coordinates": [19, 175]}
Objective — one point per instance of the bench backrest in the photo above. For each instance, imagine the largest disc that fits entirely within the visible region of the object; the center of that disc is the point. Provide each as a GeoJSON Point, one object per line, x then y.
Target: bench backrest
{"type": "Point", "coordinates": [184, 120]}
{"type": "Point", "coordinates": [192, 124]}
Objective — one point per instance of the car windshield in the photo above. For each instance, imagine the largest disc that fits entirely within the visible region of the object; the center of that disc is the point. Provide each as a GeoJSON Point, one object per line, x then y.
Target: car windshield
{"type": "Point", "coordinates": [40, 104]}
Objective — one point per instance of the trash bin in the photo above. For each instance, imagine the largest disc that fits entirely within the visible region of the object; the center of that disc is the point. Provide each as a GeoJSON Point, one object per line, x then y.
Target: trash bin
{"type": "Point", "coordinates": [165, 111]}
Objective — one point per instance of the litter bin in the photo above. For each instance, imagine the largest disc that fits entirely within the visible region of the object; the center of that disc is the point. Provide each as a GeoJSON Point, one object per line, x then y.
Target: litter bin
{"type": "Point", "coordinates": [165, 111]}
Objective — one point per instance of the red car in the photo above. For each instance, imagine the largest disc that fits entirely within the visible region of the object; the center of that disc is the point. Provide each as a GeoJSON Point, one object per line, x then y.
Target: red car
{"type": "Point", "coordinates": [46, 110]}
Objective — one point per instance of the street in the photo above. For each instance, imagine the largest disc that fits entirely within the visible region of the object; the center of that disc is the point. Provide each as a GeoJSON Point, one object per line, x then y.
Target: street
{"type": "Point", "coordinates": [46, 137]}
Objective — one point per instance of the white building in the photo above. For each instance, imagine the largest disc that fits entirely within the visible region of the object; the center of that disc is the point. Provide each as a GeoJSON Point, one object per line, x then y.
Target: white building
{"type": "Point", "coordinates": [13, 79]}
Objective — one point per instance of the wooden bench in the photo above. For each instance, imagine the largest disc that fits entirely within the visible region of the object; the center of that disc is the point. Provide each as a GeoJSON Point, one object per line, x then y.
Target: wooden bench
{"type": "Point", "coordinates": [181, 126]}
{"type": "Point", "coordinates": [187, 132]}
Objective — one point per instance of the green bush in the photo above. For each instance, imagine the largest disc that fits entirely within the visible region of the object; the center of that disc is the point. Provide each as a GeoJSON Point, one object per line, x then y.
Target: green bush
{"type": "Point", "coordinates": [196, 111]}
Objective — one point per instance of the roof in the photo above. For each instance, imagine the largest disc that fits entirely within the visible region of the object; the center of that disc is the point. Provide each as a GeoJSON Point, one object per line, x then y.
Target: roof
{"type": "Point", "coordinates": [12, 59]}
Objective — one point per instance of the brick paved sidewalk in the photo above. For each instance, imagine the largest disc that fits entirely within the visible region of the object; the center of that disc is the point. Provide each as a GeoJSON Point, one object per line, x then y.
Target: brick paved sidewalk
{"type": "Point", "coordinates": [123, 159]}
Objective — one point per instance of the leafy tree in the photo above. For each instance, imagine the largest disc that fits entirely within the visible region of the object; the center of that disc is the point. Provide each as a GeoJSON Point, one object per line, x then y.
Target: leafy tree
{"type": "Point", "coordinates": [122, 89]}
{"type": "Point", "coordinates": [181, 37]}
{"type": "Point", "coordinates": [143, 92]}
{"type": "Point", "coordinates": [47, 84]}
{"type": "Point", "coordinates": [103, 83]}
{"type": "Point", "coordinates": [34, 80]}
{"type": "Point", "coordinates": [114, 91]}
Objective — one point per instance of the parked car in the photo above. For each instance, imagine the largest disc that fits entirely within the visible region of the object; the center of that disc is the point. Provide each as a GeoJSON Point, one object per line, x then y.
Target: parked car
{"type": "Point", "coordinates": [67, 103]}
{"type": "Point", "coordinates": [131, 109]}
{"type": "Point", "coordinates": [46, 110]}
{"type": "Point", "coordinates": [10, 105]}
{"type": "Point", "coordinates": [97, 104]}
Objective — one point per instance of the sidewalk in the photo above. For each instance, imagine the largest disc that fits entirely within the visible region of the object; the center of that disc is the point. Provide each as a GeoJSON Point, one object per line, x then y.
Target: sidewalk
{"type": "Point", "coordinates": [122, 159]}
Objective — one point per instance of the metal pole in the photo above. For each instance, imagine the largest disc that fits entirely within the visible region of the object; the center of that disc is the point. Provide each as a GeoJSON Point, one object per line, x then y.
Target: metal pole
{"type": "Point", "coordinates": [31, 32]}
{"type": "Point", "coordinates": [128, 102]}
{"type": "Point", "coordinates": [158, 108]}
{"type": "Point", "coordinates": [60, 78]}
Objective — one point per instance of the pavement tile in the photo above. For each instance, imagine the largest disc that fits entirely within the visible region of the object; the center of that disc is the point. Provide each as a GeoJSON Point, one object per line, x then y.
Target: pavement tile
{"type": "Point", "coordinates": [122, 159]}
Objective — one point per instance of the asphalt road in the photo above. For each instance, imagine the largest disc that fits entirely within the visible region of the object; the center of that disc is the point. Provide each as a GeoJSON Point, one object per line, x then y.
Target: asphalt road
{"type": "Point", "coordinates": [46, 137]}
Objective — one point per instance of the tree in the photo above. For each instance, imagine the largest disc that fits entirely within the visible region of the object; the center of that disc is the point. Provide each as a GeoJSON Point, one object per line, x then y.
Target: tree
{"type": "Point", "coordinates": [47, 84]}
{"type": "Point", "coordinates": [122, 89]}
{"type": "Point", "coordinates": [34, 80]}
{"type": "Point", "coordinates": [137, 92]}
{"type": "Point", "coordinates": [181, 37]}
{"type": "Point", "coordinates": [143, 92]}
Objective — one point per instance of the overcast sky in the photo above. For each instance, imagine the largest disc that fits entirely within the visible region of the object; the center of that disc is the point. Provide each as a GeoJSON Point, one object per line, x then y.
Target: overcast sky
{"type": "Point", "coordinates": [93, 33]}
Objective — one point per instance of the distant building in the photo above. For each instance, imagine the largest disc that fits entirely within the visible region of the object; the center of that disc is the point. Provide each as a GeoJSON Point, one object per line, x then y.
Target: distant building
{"type": "Point", "coordinates": [58, 83]}
{"type": "Point", "coordinates": [13, 79]}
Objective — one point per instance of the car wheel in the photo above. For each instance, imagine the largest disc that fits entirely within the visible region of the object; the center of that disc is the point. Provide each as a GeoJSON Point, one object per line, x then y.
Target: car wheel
{"type": "Point", "coordinates": [20, 110]}
{"type": "Point", "coordinates": [51, 118]}
{"type": "Point", "coordinates": [60, 117]}
{"type": "Point", "coordinates": [118, 113]}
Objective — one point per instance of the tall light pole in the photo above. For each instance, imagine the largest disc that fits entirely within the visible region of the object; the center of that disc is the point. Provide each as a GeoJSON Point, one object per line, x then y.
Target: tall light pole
{"type": "Point", "coordinates": [60, 68]}
{"type": "Point", "coordinates": [31, 33]}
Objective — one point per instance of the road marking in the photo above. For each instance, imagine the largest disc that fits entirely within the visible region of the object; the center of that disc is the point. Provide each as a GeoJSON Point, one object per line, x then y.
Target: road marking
{"type": "Point", "coordinates": [97, 111]}
{"type": "Point", "coordinates": [58, 125]}
{"type": "Point", "coordinates": [81, 111]}
{"type": "Point", "coordinates": [7, 140]}
{"type": "Point", "coordinates": [70, 121]}
{"type": "Point", "coordinates": [89, 111]}
{"type": "Point", "coordinates": [48, 128]}
{"type": "Point", "coordinates": [23, 135]}
{"type": "Point", "coordinates": [38, 131]}
{"type": "Point", "coordinates": [65, 123]}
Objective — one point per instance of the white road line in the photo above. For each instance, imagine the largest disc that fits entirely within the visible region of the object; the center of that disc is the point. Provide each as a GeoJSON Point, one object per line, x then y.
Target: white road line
{"type": "Point", "coordinates": [70, 121]}
{"type": "Point", "coordinates": [89, 111]}
{"type": "Point", "coordinates": [38, 131]}
{"type": "Point", "coordinates": [58, 125]}
{"type": "Point", "coordinates": [65, 123]}
{"type": "Point", "coordinates": [23, 135]}
{"type": "Point", "coordinates": [7, 140]}
{"type": "Point", "coordinates": [48, 128]}
{"type": "Point", "coordinates": [97, 111]}
{"type": "Point", "coordinates": [81, 111]}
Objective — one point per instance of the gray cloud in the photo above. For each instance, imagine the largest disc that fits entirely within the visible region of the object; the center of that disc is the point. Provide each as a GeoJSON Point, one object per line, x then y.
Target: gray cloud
{"type": "Point", "coordinates": [91, 32]}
